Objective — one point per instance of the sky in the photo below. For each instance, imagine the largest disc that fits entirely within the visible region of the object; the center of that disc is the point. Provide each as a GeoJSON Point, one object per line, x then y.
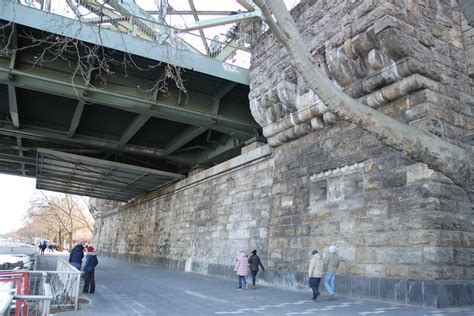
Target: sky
{"type": "Point", "coordinates": [16, 192]}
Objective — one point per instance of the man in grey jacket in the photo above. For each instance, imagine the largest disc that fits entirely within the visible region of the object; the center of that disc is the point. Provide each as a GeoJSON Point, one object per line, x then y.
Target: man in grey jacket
{"type": "Point", "coordinates": [331, 263]}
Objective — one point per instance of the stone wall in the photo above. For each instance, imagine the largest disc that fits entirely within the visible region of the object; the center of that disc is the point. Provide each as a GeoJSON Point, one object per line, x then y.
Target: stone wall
{"type": "Point", "coordinates": [199, 223]}
{"type": "Point", "coordinates": [407, 59]}
{"type": "Point", "coordinates": [404, 232]}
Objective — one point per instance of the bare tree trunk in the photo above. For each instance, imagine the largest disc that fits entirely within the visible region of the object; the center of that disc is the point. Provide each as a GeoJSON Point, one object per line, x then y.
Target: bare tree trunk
{"type": "Point", "coordinates": [454, 162]}
{"type": "Point", "coordinates": [70, 240]}
{"type": "Point", "coordinates": [60, 240]}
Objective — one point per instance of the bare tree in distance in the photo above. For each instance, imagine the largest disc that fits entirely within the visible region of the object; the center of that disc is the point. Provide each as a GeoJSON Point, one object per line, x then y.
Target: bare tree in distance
{"type": "Point", "coordinates": [454, 162]}
{"type": "Point", "coordinates": [32, 228]}
{"type": "Point", "coordinates": [60, 217]}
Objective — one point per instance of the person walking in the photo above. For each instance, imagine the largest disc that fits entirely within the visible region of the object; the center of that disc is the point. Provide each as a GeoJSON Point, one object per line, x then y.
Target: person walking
{"type": "Point", "coordinates": [43, 246]}
{"type": "Point", "coordinates": [331, 263]}
{"type": "Point", "coordinates": [242, 269]}
{"type": "Point", "coordinates": [89, 270]}
{"type": "Point", "coordinates": [76, 255]}
{"type": "Point", "coordinates": [255, 262]}
{"type": "Point", "coordinates": [315, 272]}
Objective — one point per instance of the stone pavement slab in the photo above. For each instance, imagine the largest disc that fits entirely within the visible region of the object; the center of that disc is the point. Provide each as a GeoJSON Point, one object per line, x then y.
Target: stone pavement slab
{"type": "Point", "coordinates": [125, 288]}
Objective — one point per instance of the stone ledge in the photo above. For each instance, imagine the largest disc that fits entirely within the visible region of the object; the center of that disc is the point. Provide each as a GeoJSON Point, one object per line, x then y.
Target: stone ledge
{"type": "Point", "coordinates": [242, 160]}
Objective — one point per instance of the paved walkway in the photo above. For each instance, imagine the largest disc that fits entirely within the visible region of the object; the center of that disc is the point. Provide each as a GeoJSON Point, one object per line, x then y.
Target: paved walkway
{"type": "Point", "coordinates": [125, 288]}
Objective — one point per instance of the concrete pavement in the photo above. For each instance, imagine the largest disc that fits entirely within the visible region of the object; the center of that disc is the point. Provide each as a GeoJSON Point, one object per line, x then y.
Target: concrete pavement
{"type": "Point", "coordinates": [125, 288]}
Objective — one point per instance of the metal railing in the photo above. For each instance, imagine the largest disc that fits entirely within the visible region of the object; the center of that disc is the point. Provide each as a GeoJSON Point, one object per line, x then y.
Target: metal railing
{"type": "Point", "coordinates": [63, 278]}
{"type": "Point", "coordinates": [16, 284]}
{"type": "Point", "coordinates": [236, 39]}
{"type": "Point", "coordinates": [27, 293]}
{"type": "Point", "coordinates": [34, 293]}
{"type": "Point", "coordinates": [37, 302]}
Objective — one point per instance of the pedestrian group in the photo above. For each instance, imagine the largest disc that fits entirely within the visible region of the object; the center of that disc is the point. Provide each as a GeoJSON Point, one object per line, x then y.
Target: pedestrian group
{"type": "Point", "coordinates": [75, 259]}
{"type": "Point", "coordinates": [318, 267]}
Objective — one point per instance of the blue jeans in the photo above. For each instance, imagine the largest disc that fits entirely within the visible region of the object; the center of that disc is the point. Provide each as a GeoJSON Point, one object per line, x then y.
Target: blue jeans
{"type": "Point", "coordinates": [254, 274]}
{"type": "Point", "coordinates": [329, 282]}
{"type": "Point", "coordinates": [242, 279]}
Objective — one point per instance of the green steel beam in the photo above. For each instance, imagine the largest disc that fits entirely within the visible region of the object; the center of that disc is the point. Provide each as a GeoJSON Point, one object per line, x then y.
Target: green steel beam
{"type": "Point", "coordinates": [132, 129]}
{"type": "Point", "coordinates": [249, 5]}
{"type": "Point", "coordinates": [59, 136]}
{"type": "Point", "coordinates": [199, 12]}
{"type": "Point", "coordinates": [122, 42]}
{"type": "Point", "coordinates": [76, 118]}
{"type": "Point", "coordinates": [194, 132]}
{"type": "Point", "coordinates": [184, 138]}
{"type": "Point", "coordinates": [20, 152]}
{"type": "Point", "coordinates": [217, 98]}
{"type": "Point", "coordinates": [18, 159]}
{"type": "Point", "coordinates": [201, 32]}
{"type": "Point", "coordinates": [12, 100]}
{"type": "Point", "coordinates": [219, 21]}
{"type": "Point", "coordinates": [13, 105]}
{"type": "Point", "coordinates": [192, 159]}
{"type": "Point", "coordinates": [65, 88]}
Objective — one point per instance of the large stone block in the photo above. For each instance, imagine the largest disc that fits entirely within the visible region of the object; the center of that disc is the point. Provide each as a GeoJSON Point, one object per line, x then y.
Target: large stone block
{"type": "Point", "coordinates": [411, 255]}
{"type": "Point", "coordinates": [424, 237]}
{"type": "Point", "coordinates": [438, 255]}
{"type": "Point", "coordinates": [387, 255]}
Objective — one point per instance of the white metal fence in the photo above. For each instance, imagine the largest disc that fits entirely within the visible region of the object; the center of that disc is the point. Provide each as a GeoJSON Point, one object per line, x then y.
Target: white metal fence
{"type": "Point", "coordinates": [63, 278]}
{"type": "Point", "coordinates": [53, 284]}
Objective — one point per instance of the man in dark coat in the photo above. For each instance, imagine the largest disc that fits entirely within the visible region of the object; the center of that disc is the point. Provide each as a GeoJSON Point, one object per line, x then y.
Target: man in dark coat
{"type": "Point", "coordinates": [76, 255]}
{"type": "Point", "coordinates": [89, 270]}
{"type": "Point", "coordinates": [43, 246]}
{"type": "Point", "coordinates": [255, 262]}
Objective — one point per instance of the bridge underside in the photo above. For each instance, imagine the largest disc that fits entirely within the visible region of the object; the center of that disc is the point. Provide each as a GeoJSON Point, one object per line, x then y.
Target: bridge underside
{"type": "Point", "coordinates": [89, 100]}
